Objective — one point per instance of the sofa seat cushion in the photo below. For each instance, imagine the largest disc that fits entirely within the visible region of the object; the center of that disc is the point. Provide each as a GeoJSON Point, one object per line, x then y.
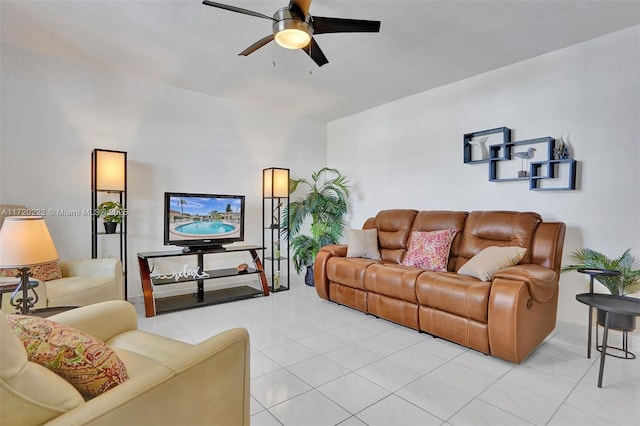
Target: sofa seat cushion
{"type": "Point", "coordinates": [80, 291]}
{"type": "Point", "coordinates": [461, 295]}
{"type": "Point", "coordinates": [348, 271]}
{"type": "Point", "coordinates": [136, 363]}
{"type": "Point", "coordinates": [158, 348]}
{"type": "Point", "coordinates": [397, 281]}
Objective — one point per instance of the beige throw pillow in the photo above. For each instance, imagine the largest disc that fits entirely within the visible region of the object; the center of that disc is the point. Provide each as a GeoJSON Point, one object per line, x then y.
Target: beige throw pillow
{"type": "Point", "coordinates": [484, 264]}
{"type": "Point", "coordinates": [363, 243]}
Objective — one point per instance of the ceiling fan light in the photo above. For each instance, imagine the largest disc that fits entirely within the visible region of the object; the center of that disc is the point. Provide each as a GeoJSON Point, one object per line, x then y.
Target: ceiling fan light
{"type": "Point", "coordinates": [293, 38]}
{"type": "Point", "coordinates": [290, 31]}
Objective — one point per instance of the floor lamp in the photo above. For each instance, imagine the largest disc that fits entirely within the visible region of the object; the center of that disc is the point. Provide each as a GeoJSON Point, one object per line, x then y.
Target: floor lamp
{"type": "Point", "coordinates": [25, 242]}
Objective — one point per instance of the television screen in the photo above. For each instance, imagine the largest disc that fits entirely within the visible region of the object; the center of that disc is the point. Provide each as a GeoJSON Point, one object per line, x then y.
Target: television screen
{"type": "Point", "coordinates": [201, 221]}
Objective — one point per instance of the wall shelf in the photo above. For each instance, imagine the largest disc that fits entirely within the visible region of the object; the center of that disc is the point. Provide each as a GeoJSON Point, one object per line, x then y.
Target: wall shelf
{"type": "Point", "coordinates": [503, 153]}
{"type": "Point", "coordinates": [543, 172]}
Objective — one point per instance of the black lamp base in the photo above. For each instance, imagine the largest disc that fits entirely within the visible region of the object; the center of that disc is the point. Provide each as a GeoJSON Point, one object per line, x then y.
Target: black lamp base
{"type": "Point", "coordinates": [20, 298]}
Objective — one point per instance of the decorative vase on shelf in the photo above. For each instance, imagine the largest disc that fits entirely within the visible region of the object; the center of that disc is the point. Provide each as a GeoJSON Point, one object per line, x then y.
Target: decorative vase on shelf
{"type": "Point", "coordinates": [110, 227]}
{"type": "Point", "coordinates": [276, 281]}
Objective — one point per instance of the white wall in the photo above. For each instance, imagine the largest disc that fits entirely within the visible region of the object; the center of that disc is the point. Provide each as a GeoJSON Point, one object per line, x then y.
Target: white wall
{"type": "Point", "coordinates": [408, 153]}
{"type": "Point", "coordinates": [54, 112]}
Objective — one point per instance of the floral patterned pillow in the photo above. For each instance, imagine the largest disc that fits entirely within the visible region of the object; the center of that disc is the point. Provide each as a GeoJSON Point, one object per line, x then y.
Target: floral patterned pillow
{"type": "Point", "coordinates": [429, 250]}
{"type": "Point", "coordinates": [90, 365]}
{"type": "Point", "coordinates": [45, 272]}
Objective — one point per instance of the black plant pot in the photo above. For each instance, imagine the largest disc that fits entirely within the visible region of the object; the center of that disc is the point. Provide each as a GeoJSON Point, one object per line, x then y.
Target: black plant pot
{"type": "Point", "coordinates": [110, 227]}
{"type": "Point", "coordinates": [308, 277]}
{"type": "Point", "coordinates": [620, 322]}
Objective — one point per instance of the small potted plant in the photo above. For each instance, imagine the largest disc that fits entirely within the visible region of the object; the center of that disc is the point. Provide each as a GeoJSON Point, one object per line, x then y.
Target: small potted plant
{"type": "Point", "coordinates": [111, 213]}
{"type": "Point", "coordinates": [627, 282]}
{"type": "Point", "coordinates": [326, 205]}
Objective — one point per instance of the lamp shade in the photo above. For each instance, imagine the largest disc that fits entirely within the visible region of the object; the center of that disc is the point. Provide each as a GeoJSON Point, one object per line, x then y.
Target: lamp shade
{"type": "Point", "coordinates": [25, 241]}
{"type": "Point", "coordinates": [275, 182]}
{"type": "Point", "coordinates": [110, 170]}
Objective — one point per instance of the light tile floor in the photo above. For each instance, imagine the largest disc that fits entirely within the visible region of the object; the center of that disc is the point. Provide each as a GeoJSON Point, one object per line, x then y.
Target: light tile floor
{"type": "Point", "coordinates": [314, 362]}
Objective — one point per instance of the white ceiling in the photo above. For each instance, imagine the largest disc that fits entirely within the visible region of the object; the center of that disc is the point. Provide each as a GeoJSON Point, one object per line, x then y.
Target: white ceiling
{"type": "Point", "coordinates": [422, 44]}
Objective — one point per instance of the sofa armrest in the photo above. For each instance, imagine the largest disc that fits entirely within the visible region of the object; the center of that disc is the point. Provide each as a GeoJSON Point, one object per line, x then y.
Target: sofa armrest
{"type": "Point", "coordinates": [320, 279]}
{"type": "Point", "coordinates": [339, 250]}
{"type": "Point", "coordinates": [104, 267]}
{"type": "Point", "coordinates": [523, 306]}
{"type": "Point", "coordinates": [208, 385]}
{"type": "Point", "coordinates": [542, 282]}
{"type": "Point", "coordinates": [102, 320]}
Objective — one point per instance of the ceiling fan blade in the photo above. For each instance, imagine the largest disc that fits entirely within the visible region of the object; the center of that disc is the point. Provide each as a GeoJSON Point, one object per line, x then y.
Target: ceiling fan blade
{"type": "Point", "coordinates": [302, 6]}
{"type": "Point", "coordinates": [236, 9]}
{"type": "Point", "coordinates": [323, 25]}
{"type": "Point", "coordinates": [313, 50]}
{"type": "Point", "coordinates": [257, 45]}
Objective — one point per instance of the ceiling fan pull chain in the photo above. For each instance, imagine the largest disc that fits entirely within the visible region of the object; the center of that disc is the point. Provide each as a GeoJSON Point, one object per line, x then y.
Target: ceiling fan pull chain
{"type": "Point", "coordinates": [273, 56]}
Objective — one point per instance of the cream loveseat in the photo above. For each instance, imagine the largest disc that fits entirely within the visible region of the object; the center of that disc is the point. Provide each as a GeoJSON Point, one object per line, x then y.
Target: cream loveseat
{"type": "Point", "coordinates": [506, 312]}
{"type": "Point", "coordinates": [170, 382]}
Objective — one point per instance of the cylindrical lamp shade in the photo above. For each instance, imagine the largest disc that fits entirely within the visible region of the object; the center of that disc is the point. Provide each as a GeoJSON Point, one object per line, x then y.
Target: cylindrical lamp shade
{"type": "Point", "coordinates": [275, 182]}
{"type": "Point", "coordinates": [110, 170]}
{"type": "Point", "coordinates": [25, 241]}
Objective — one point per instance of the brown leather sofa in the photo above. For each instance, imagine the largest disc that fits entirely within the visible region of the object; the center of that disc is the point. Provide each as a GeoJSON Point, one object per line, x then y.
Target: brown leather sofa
{"type": "Point", "coordinates": [507, 317]}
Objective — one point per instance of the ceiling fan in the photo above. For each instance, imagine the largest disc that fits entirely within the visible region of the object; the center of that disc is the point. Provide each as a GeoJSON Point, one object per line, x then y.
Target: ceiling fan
{"type": "Point", "coordinates": [294, 27]}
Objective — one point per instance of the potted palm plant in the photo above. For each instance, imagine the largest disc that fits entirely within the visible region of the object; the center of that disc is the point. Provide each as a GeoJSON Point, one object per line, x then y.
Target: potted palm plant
{"type": "Point", "coordinates": [111, 213]}
{"type": "Point", "coordinates": [325, 204]}
{"type": "Point", "coordinates": [627, 282]}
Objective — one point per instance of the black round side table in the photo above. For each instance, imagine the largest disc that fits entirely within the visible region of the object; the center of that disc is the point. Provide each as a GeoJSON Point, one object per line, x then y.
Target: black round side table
{"type": "Point", "coordinates": [608, 304]}
{"type": "Point", "coordinates": [593, 273]}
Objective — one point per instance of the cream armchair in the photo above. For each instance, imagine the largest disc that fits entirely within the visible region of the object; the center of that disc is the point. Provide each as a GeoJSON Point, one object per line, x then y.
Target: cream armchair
{"type": "Point", "coordinates": [83, 282]}
{"type": "Point", "coordinates": [170, 382]}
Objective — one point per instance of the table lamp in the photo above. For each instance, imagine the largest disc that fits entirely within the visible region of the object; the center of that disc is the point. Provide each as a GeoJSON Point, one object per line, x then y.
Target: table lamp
{"type": "Point", "coordinates": [25, 242]}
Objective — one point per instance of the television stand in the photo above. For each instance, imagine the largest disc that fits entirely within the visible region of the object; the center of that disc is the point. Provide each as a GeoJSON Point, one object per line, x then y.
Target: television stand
{"type": "Point", "coordinates": [153, 305]}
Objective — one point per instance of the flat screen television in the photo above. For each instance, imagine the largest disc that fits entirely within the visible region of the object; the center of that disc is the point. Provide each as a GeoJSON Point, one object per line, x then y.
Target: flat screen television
{"type": "Point", "coordinates": [202, 221]}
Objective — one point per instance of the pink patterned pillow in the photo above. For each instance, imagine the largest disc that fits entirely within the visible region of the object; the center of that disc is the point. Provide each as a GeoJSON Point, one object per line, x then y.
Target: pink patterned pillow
{"type": "Point", "coordinates": [90, 365]}
{"type": "Point", "coordinates": [45, 272]}
{"type": "Point", "coordinates": [429, 250]}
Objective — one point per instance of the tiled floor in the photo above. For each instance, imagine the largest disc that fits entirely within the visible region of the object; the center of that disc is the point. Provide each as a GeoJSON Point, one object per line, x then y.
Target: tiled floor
{"type": "Point", "coordinates": [314, 362]}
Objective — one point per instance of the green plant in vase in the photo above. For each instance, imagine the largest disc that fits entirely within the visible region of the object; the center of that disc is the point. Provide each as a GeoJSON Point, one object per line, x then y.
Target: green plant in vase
{"type": "Point", "coordinates": [619, 285]}
{"type": "Point", "coordinates": [112, 213]}
{"type": "Point", "coordinates": [326, 205]}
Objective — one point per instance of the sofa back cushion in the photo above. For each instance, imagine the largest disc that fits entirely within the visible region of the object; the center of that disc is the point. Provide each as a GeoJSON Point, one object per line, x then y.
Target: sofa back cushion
{"type": "Point", "coordinates": [437, 220]}
{"type": "Point", "coordinates": [497, 228]}
{"type": "Point", "coordinates": [394, 229]}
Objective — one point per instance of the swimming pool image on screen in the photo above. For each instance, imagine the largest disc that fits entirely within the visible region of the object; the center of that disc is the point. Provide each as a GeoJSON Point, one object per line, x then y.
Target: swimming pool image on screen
{"type": "Point", "coordinates": [205, 228]}
{"type": "Point", "coordinates": [196, 217]}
